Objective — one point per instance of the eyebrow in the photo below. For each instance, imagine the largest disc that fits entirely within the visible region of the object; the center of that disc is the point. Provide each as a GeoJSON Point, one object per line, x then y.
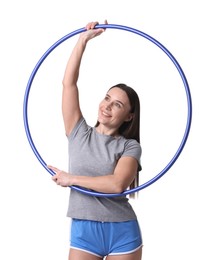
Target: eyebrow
{"type": "Point", "coordinates": [116, 100]}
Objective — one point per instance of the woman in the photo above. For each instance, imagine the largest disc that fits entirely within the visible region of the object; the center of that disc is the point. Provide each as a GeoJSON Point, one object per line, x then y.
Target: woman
{"type": "Point", "coordinates": [104, 158]}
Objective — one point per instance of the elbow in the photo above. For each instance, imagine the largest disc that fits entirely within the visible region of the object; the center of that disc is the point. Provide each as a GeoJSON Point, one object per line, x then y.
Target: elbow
{"type": "Point", "coordinates": [65, 83]}
{"type": "Point", "coordinates": [117, 191]}
{"type": "Point", "coordinates": [69, 84]}
{"type": "Point", "coordinates": [118, 188]}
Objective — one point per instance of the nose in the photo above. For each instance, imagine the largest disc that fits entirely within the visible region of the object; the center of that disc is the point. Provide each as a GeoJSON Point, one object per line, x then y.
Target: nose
{"type": "Point", "coordinates": [108, 106]}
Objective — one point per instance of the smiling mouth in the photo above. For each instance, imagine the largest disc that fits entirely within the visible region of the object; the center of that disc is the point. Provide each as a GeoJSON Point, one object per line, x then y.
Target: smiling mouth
{"type": "Point", "coordinates": [105, 114]}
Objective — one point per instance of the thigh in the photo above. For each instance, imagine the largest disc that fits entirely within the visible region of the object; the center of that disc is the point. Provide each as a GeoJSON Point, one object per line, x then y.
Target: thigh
{"type": "Point", "coordinates": [125, 238]}
{"type": "Point", "coordinates": [137, 255]}
{"type": "Point", "coordinates": [86, 237]}
{"type": "Point", "coordinates": [75, 254]}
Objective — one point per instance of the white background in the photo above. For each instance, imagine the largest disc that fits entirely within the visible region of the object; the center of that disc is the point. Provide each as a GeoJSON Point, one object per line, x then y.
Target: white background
{"type": "Point", "coordinates": [177, 213]}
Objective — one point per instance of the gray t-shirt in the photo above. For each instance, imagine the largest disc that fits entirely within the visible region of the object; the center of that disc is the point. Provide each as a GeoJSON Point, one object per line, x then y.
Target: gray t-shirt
{"type": "Point", "coordinates": [95, 154]}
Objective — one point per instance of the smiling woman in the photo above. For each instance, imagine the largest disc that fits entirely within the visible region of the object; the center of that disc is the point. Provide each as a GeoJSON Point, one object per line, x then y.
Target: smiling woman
{"type": "Point", "coordinates": [121, 107]}
{"type": "Point", "coordinates": [104, 161]}
{"type": "Point", "coordinates": [189, 109]}
{"type": "Point", "coordinates": [104, 158]}
{"type": "Point", "coordinates": [115, 108]}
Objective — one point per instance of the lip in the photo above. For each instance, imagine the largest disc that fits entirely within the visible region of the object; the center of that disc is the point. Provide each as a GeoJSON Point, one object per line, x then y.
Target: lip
{"type": "Point", "coordinates": [105, 114]}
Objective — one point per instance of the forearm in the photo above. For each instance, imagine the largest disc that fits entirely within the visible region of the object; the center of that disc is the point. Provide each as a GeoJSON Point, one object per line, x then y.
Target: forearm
{"type": "Point", "coordinates": [117, 182]}
{"type": "Point", "coordinates": [105, 184]}
{"type": "Point", "coordinates": [72, 69]}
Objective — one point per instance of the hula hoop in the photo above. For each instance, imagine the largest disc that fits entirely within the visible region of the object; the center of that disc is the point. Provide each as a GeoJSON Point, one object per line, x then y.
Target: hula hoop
{"type": "Point", "coordinates": [189, 109]}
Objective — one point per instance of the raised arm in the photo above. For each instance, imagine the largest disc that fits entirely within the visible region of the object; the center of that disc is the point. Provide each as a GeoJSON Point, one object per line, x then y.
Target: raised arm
{"type": "Point", "coordinates": [70, 96]}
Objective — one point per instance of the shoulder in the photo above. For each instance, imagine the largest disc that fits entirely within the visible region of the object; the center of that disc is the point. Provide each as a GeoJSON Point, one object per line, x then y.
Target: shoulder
{"type": "Point", "coordinates": [131, 146]}
{"type": "Point", "coordinates": [132, 143]}
{"type": "Point", "coordinates": [80, 127]}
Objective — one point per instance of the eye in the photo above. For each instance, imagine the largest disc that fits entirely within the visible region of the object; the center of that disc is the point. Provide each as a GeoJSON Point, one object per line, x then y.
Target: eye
{"type": "Point", "coordinates": [117, 105]}
{"type": "Point", "coordinates": [106, 98]}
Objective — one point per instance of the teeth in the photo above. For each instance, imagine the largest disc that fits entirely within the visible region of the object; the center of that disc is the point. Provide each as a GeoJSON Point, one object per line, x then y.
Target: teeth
{"type": "Point", "coordinates": [105, 114]}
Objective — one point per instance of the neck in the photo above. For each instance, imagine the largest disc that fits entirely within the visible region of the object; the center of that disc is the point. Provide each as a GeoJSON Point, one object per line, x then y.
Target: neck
{"type": "Point", "coordinates": [107, 131]}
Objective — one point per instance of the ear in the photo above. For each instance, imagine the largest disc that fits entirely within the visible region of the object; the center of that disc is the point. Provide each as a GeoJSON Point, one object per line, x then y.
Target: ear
{"type": "Point", "coordinates": [129, 118]}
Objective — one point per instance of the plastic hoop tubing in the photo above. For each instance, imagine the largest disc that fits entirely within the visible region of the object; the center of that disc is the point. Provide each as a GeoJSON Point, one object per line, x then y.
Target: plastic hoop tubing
{"type": "Point", "coordinates": [189, 108]}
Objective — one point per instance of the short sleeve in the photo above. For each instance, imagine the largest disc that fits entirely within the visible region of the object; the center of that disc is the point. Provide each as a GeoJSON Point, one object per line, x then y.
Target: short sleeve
{"type": "Point", "coordinates": [81, 126]}
{"type": "Point", "coordinates": [133, 149]}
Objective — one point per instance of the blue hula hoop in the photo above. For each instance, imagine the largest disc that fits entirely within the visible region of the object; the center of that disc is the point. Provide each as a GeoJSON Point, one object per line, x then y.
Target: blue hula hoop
{"type": "Point", "coordinates": [189, 109]}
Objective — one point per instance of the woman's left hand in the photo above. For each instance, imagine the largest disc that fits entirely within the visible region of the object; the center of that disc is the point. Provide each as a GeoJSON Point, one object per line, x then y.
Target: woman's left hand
{"type": "Point", "coordinates": [61, 178]}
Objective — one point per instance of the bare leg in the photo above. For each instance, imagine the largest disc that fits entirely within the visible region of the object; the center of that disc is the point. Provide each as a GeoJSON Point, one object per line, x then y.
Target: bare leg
{"type": "Point", "coordinates": [133, 256]}
{"type": "Point", "coordinates": [75, 254]}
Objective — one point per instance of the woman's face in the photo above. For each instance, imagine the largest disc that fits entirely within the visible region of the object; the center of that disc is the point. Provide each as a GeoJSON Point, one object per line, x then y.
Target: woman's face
{"type": "Point", "coordinates": [114, 109]}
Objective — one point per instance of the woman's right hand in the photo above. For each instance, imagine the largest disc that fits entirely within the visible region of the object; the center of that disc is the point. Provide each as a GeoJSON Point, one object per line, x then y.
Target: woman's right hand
{"type": "Point", "coordinates": [91, 32]}
{"type": "Point", "coordinates": [70, 97]}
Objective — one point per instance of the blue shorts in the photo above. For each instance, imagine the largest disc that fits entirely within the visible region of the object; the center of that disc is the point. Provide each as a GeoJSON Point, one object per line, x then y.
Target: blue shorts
{"type": "Point", "coordinates": [105, 238]}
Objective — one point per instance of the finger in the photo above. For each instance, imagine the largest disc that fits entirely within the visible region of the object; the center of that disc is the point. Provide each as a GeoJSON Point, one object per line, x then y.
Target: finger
{"type": "Point", "coordinates": [54, 178]}
{"type": "Point", "coordinates": [105, 22]}
{"type": "Point", "coordinates": [93, 25]}
{"type": "Point", "coordinates": [53, 168]}
{"type": "Point", "coordinates": [88, 26]}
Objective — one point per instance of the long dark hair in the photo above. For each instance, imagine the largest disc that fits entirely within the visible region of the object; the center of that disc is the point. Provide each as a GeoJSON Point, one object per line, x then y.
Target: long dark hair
{"type": "Point", "coordinates": [131, 129]}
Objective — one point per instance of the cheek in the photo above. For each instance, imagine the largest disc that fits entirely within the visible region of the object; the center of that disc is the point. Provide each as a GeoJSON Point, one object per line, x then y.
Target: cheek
{"type": "Point", "coordinates": [119, 115]}
{"type": "Point", "coordinates": [101, 105]}
{"type": "Point", "coordinates": [124, 116]}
